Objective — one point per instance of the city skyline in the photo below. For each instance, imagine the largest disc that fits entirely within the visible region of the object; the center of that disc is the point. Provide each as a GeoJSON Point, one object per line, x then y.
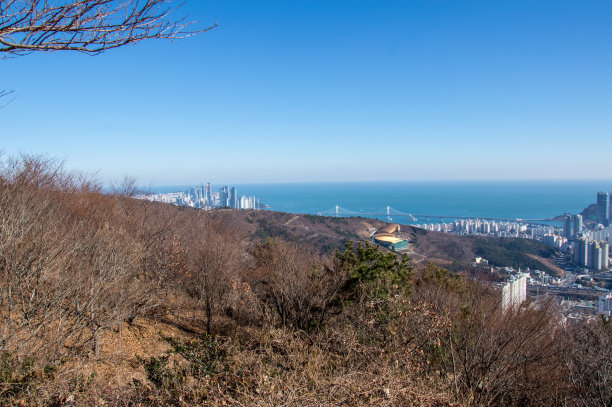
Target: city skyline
{"type": "Point", "coordinates": [331, 91]}
{"type": "Point", "coordinates": [202, 197]}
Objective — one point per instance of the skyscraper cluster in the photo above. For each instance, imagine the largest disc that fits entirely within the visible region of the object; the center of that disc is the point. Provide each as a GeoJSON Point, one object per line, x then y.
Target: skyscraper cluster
{"type": "Point", "coordinates": [591, 246]}
{"type": "Point", "coordinates": [202, 197]}
{"type": "Point", "coordinates": [249, 202]}
{"type": "Point", "coordinates": [591, 254]}
{"type": "Point", "coordinates": [572, 226]}
{"type": "Point", "coordinates": [226, 197]}
{"type": "Point", "coordinates": [556, 241]}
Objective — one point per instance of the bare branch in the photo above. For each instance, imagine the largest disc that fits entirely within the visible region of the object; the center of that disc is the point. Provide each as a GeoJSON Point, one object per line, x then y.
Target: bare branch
{"type": "Point", "coordinates": [89, 26]}
{"type": "Point", "coordinates": [4, 93]}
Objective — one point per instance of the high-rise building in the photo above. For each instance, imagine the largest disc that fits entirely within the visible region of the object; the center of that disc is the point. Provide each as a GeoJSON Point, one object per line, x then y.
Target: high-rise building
{"type": "Point", "coordinates": [549, 240]}
{"type": "Point", "coordinates": [603, 208]}
{"type": "Point", "coordinates": [514, 293]}
{"type": "Point", "coordinates": [595, 256]}
{"type": "Point", "coordinates": [208, 193]}
{"type": "Point", "coordinates": [577, 225]}
{"type": "Point", "coordinates": [567, 226]}
{"type": "Point", "coordinates": [248, 202]}
{"type": "Point", "coordinates": [233, 198]}
{"type": "Point", "coordinates": [599, 233]}
{"type": "Point", "coordinates": [224, 196]}
{"type": "Point", "coordinates": [581, 251]}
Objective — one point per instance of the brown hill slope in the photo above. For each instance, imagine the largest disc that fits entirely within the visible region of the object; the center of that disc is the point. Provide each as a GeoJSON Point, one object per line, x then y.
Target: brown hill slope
{"type": "Point", "coordinates": [322, 233]}
{"type": "Point", "coordinates": [455, 252]}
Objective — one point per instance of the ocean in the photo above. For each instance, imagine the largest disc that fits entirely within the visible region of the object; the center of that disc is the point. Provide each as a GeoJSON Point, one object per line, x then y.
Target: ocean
{"type": "Point", "coordinates": [474, 199]}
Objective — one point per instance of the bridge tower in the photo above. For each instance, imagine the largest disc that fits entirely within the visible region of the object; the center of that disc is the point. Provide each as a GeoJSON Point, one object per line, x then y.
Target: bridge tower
{"type": "Point", "coordinates": [389, 218]}
{"type": "Point", "coordinates": [337, 210]}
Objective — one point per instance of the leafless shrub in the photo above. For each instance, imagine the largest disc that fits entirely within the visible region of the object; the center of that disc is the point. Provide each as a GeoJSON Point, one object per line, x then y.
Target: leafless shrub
{"type": "Point", "coordinates": [127, 187]}
{"type": "Point", "coordinates": [108, 288]}
{"type": "Point", "coordinates": [69, 264]}
{"type": "Point", "coordinates": [486, 356]}
{"type": "Point", "coordinates": [213, 261]}
{"type": "Point", "coordinates": [34, 248]}
{"type": "Point", "coordinates": [587, 357]}
{"type": "Point", "coordinates": [153, 229]}
{"type": "Point", "coordinates": [294, 283]}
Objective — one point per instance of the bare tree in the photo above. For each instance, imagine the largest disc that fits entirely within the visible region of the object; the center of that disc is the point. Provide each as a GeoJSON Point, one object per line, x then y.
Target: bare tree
{"type": "Point", "coordinates": [73, 262]}
{"type": "Point", "coordinates": [36, 245]}
{"type": "Point", "coordinates": [587, 356]}
{"type": "Point", "coordinates": [89, 26]}
{"type": "Point", "coordinates": [108, 290]}
{"type": "Point", "coordinates": [214, 261]}
{"type": "Point", "coordinates": [295, 284]}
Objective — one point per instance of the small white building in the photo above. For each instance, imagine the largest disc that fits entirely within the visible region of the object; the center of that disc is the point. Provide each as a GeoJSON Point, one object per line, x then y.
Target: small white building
{"type": "Point", "coordinates": [604, 306]}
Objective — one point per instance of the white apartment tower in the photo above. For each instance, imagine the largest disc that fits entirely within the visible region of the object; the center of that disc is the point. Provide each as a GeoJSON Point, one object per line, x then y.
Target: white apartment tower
{"type": "Point", "coordinates": [514, 292]}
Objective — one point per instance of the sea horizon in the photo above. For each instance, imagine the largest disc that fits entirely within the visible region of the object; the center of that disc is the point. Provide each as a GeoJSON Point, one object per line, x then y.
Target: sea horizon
{"type": "Point", "coordinates": [503, 199]}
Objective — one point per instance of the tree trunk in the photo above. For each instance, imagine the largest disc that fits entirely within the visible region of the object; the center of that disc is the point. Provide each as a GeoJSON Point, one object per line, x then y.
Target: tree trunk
{"type": "Point", "coordinates": [208, 316]}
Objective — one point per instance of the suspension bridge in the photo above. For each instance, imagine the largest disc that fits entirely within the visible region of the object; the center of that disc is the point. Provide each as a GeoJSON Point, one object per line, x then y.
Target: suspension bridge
{"type": "Point", "coordinates": [389, 212]}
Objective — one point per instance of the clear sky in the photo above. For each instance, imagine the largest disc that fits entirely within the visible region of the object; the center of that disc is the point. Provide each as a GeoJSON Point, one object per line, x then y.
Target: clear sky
{"type": "Point", "coordinates": [332, 90]}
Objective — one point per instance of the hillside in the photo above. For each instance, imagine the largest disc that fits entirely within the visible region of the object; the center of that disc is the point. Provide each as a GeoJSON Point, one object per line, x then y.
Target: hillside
{"type": "Point", "coordinates": [327, 234]}
{"type": "Point", "coordinates": [589, 214]}
{"type": "Point", "coordinates": [457, 252]}
{"type": "Point", "coordinates": [108, 300]}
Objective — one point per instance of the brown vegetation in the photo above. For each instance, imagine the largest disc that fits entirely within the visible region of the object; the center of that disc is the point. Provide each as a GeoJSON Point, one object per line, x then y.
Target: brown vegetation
{"type": "Point", "coordinates": [109, 300]}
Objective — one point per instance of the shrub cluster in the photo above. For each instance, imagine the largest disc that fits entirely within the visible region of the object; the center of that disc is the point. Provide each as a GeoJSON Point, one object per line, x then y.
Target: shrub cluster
{"type": "Point", "coordinates": [265, 324]}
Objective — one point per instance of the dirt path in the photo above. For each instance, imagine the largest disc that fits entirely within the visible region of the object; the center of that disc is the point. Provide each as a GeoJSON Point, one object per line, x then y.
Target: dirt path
{"type": "Point", "coordinates": [291, 220]}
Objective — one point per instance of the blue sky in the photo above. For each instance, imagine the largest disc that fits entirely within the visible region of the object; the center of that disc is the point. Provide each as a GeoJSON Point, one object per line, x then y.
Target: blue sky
{"type": "Point", "coordinates": [332, 90]}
